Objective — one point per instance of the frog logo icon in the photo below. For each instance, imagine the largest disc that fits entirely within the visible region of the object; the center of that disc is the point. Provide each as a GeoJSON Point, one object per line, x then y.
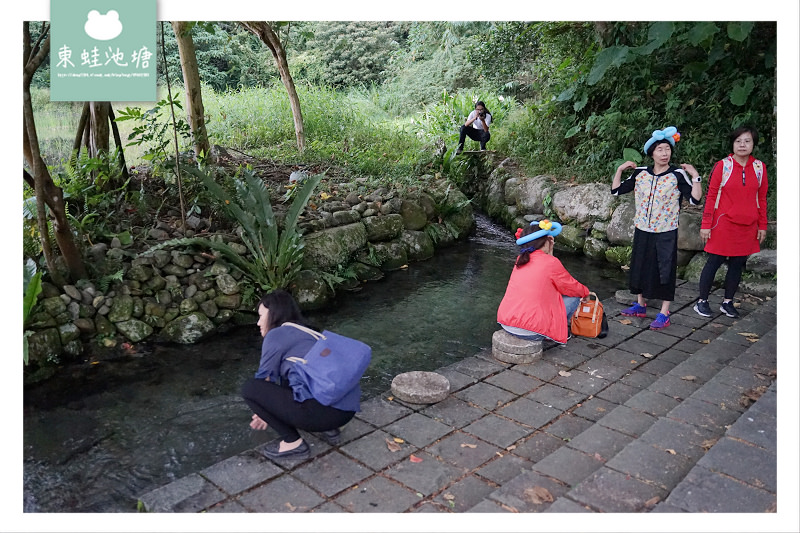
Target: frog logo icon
{"type": "Point", "coordinates": [103, 27]}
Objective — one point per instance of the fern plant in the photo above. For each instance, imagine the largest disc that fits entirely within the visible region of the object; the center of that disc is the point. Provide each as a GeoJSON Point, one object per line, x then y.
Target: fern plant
{"type": "Point", "coordinates": [277, 254]}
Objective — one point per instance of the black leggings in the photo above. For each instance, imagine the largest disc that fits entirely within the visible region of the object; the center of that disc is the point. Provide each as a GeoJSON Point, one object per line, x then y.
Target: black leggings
{"type": "Point", "coordinates": [732, 278]}
{"type": "Point", "coordinates": [277, 407]}
{"type": "Point", "coordinates": [474, 134]}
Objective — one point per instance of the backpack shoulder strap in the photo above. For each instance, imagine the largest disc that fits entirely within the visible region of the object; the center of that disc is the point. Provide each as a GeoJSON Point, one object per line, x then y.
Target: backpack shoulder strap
{"type": "Point", "coordinates": [758, 166]}
{"type": "Point", "coordinates": [316, 334]}
{"type": "Point", "coordinates": [727, 170]}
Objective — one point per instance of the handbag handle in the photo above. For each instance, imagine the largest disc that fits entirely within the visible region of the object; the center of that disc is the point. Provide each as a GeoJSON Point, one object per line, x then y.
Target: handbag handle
{"type": "Point", "coordinates": [316, 334]}
{"type": "Point", "coordinates": [596, 307]}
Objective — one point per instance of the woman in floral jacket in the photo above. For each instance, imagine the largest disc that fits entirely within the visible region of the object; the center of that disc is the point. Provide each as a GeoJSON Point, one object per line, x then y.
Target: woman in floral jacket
{"type": "Point", "coordinates": [658, 192]}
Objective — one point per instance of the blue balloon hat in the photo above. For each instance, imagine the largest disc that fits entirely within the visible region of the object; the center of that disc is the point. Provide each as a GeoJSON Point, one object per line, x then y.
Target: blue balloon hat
{"type": "Point", "coordinates": [551, 228]}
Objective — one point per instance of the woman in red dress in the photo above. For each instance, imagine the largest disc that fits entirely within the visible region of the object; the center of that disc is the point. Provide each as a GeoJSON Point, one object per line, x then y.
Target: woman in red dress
{"type": "Point", "coordinates": [734, 219]}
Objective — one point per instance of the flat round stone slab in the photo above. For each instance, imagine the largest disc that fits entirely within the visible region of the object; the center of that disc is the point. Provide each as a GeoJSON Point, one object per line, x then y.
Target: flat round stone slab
{"type": "Point", "coordinates": [420, 387]}
{"type": "Point", "coordinates": [508, 343]}
{"type": "Point", "coordinates": [516, 358]}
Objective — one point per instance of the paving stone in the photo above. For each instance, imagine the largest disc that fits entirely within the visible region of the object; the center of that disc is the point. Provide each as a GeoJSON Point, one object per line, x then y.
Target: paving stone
{"type": "Point", "coordinates": [733, 336]}
{"type": "Point", "coordinates": [556, 397]}
{"type": "Point", "coordinates": [282, 495]}
{"type": "Point", "coordinates": [586, 347]}
{"type": "Point", "coordinates": [477, 367]}
{"type": "Point", "coordinates": [658, 338]}
{"type": "Point", "coordinates": [568, 465]}
{"type": "Point", "coordinates": [721, 394]}
{"type": "Point", "coordinates": [603, 367]}
{"type": "Point", "coordinates": [427, 476]}
{"type": "Point", "coordinates": [354, 429]}
{"type": "Point", "coordinates": [488, 506]}
{"type": "Point", "coordinates": [745, 462]}
{"type": "Point", "coordinates": [454, 412]}
{"type": "Point", "coordinates": [618, 392]}
{"type": "Point", "coordinates": [689, 346]}
{"type": "Point", "coordinates": [678, 331]}
{"type": "Point", "coordinates": [704, 334]}
{"type": "Point", "coordinates": [520, 493]}
{"type": "Point", "coordinates": [622, 359]}
{"type": "Point", "coordinates": [377, 495]}
{"type": "Point", "coordinates": [501, 469]}
{"type": "Point", "coordinates": [565, 505]}
{"type": "Point", "coordinates": [594, 409]}
{"type": "Point", "coordinates": [612, 492]}
{"type": "Point", "coordinates": [743, 379]}
{"type": "Point", "coordinates": [598, 440]}
{"type": "Point", "coordinates": [703, 491]}
{"type": "Point", "coordinates": [533, 414]}
{"type": "Point", "coordinates": [331, 473]}
{"type": "Point", "coordinates": [458, 380]}
{"type": "Point", "coordinates": [568, 426]}
{"type": "Point", "coordinates": [674, 386]}
{"type": "Point", "coordinates": [627, 331]}
{"type": "Point", "coordinates": [430, 507]}
{"type": "Point", "coordinates": [418, 430]}
{"type": "Point", "coordinates": [639, 379]}
{"type": "Point", "coordinates": [539, 446]}
{"type": "Point", "coordinates": [566, 358]}
{"type": "Point", "coordinates": [540, 369]}
{"type": "Point", "coordinates": [380, 412]}
{"type": "Point", "coordinates": [692, 320]}
{"type": "Point", "coordinates": [650, 464]}
{"type": "Point", "coordinates": [241, 472]}
{"type": "Point", "coordinates": [465, 494]}
{"type": "Point", "coordinates": [685, 439]}
{"type": "Point", "coordinates": [189, 494]}
{"type": "Point", "coordinates": [638, 347]}
{"type": "Point", "coordinates": [760, 363]}
{"type": "Point", "coordinates": [657, 367]}
{"type": "Point", "coordinates": [373, 451]}
{"type": "Point", "coordinates": [498, 431]}
{"type": "Point", "coordinates": [328, 507]}
{"type": "Point", "coordinates": [581, 382]}
{"type": "Point", "coordinates": [756, 428]}
{"type": "Point", "coordinates": [719, 352]}
{"type": "Point", "coordinates": [675, 357]}
{"type": "Point", "coordinates": [663, 507]}
{"type": "Point", "coordinates": [463, 450]}
{"type": "Point", "coordinates": [228, 506]}
{"type": "Point", "coordinates": [652, 403]}
{"type": "Point", "coordinates": [701, 370]}
{"type": "Point", "coordinates": [628, 421]}
{"type": "Point", "coordinates": [704, 415]}
{"type": "Point", "coordinates": [612, 339]}
{"type": "Point", "coordinates": [485, 395]}
{"type": "Point", "coordinates": [514, 382]}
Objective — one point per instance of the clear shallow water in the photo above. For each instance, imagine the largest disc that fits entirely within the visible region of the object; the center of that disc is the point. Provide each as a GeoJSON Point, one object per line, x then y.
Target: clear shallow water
{"type": "Point", "coordinates": [100, 437]}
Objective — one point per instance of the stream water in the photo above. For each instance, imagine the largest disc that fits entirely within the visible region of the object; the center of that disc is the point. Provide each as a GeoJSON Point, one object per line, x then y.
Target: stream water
{"type": "Point", "coordinates": [96, 438]}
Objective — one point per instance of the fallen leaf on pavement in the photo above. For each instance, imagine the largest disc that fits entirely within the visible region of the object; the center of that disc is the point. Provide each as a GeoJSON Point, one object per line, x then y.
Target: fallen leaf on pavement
{"type": "Point", "coordinates": [564, 373]}
{"type": "Point", "coordinates": [508, 508]}
{"type": "Point", "coordinates": [634, 361]}
{"type": "Point", "coordinates": [752, 339]}
{"type": "Point", "coordinates": [401, 441]}
{"type": "Point", "coordinates": [512, 447]}
{"type": "Point", "coordinates": [708, 443]}
{"type": "Point", "coordinates": [648, 355]}
{"type": "Point", "coordinates": [652, 501]}
{"type": "Point", "coordinates": [414, 459]}
{"type": "Point", "coordinates": [538, 495]}
{"type": "Point", "coordinates": [393, 446]}
{"type": "Point", "coordinates": [448, 496]}
{"type": "Point", "coordinates": [598, 457]}
{"type": "Point", "coordinates": [625, 321]}
{"type": "Point", "coordinates": [290, 506]}
{"type": "Point", "coordinates": [748, 335]}
{"type": "Point", "coordinates": [466, 445]}
{"type": "Point", "coordinates": [390, 398]}
{"type": "Point", "coordinates": [688, 378]}
{"type": "Point", "coordinates": [671, 451]}
{"type": "Point", "coordinates": [705, 341]}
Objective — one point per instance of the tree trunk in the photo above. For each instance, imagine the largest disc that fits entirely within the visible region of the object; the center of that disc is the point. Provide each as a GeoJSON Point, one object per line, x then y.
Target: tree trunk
{"type": "Point", "coordinates": [76, 145]}
{"type": "Point", "coordinates": [46, 191]}
{"type": "Point", "coordinates": [268, 36]}
{"type": "Point", "coordinates": [191, 82]}
{"type": "Point", "coordinates": [118, 142]}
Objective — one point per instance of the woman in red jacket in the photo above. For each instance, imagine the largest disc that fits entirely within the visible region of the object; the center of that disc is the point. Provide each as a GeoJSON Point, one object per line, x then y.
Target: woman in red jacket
{"type": "Point", "coordinates": [541, 295]}
{"type": "Point", "coordinates": [734, 219]}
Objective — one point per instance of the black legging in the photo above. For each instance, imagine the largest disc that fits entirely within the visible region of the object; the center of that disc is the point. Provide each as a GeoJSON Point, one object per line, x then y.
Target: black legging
{"type": "Point", "coordinates": [277, 407]}
{"type": "Point", "coordinates": [732, 278]}
{"type": "Point", "coordinates": [475, 134]}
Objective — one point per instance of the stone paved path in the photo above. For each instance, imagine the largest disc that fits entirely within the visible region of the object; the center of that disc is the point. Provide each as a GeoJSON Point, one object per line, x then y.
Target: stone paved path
{"type": "Point", "coordinates": [672, 421]}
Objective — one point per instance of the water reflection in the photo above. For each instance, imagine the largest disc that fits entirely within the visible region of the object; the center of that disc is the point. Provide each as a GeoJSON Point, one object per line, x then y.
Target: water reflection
{"type": "Point", "coordinates": [97, 438]}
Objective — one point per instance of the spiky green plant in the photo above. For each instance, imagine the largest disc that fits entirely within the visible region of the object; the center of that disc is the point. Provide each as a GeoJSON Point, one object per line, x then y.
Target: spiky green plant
{"type": "Point", "coordinates": [276, 253]}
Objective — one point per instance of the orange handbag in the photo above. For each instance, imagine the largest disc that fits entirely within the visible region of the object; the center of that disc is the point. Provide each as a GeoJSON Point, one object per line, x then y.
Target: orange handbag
{"type": "Point", "coordinates": [589, 319]}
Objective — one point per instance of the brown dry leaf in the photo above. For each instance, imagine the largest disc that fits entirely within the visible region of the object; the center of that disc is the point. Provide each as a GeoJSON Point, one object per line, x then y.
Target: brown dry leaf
{"type": "Point", "coordinates": [564, 373]}
{"type": "Point", "coordinates": [290, 506]}
{"type": "Point", "coordinates": [652, 501]}
{"type": "Point", "coordinates": [598, 457]}
{"type": "Point", "coordinates": [688, 378]}
{"type": "Point", "coordinates": [414, 459]}
{"type": "Point", "coordinates": [705, 341]}
{"type": "Point", "coordinates": [399, 441]}
{"type": "Point", "coordinates": [748, 335]}
{"type": "Point", "coordinates": [708, 443]}
{"type": "Point", "coordinates": [761, 376]}
{"type": "Point", "coordinates": [625, 321]}
{"type": "Point", "coordinates": [648, 355]}
{"type": "Point", "coordinates": [466, 445]}
{"type": "Point", "coordinates": [393, 446]}
{"type": "Point", "coordinates": [634, 361]}
{"type": "Point", "coordinates": [390, 398]}
{"type": "Point", "coordinates": [752, 339]}
{"type": "Point", "coordinates": [538, 495]}
{"type": "Point", "coordinates": [737, 304]}
{"type": "Point", "coordinates": [512, 447]}
{"type": "Point", "coordinates": [448, 496]}
{"type": "Point", "coordinates": [601, 409]}
{"type": "Point", "coordinates": [671, 451]}
{"type": "Point", "coordinates": [508, 508]}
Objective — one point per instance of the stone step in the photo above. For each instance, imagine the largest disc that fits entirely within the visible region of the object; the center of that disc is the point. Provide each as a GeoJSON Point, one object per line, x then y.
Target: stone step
{"type": "Point", "coordinates": [640, 448]}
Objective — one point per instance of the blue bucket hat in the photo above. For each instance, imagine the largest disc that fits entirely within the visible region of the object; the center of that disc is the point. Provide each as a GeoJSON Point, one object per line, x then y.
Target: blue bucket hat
{"type": "Point", "coordinates": [669, 134]}
{"type": "Point", "coordinates": [547, 228]}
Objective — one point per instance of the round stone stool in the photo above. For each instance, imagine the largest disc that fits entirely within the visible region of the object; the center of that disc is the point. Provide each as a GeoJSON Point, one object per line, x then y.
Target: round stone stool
{"type": "Point", "coordinates": [510, 349]}
{"type": "Point", "coordinates": [420, 387]}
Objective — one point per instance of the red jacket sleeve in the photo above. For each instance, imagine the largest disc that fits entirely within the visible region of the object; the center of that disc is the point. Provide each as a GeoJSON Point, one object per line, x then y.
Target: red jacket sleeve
{"type": "Point", "coordinates": [762, 201]}
{"type": "Point", "coordinates": [565, 283]}
{"type": "Point", "coordinates": [711, 195]}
